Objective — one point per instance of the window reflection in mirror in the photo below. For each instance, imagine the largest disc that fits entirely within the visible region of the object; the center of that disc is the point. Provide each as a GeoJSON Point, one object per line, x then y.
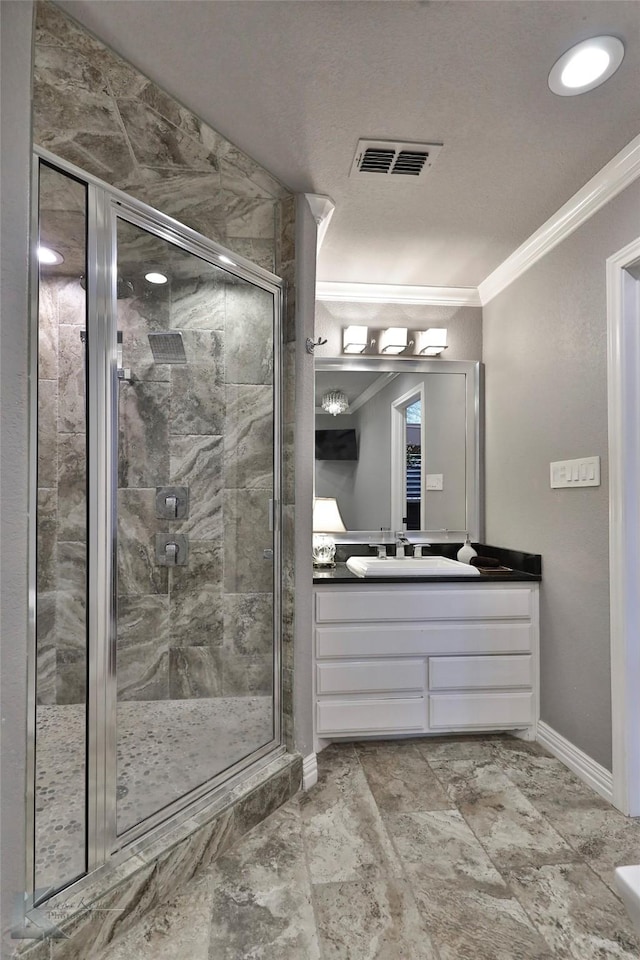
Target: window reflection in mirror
{"type": "Point", "coordinates": [413, 464]}
{"type": "Point", "coordinates": [416, 430]}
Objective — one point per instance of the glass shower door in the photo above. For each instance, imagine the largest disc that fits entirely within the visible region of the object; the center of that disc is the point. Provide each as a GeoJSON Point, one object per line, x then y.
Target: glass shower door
{"type": "Point", "coordinates": [61, 651]}
{"type": "Point", "coordinates": [194, 617]}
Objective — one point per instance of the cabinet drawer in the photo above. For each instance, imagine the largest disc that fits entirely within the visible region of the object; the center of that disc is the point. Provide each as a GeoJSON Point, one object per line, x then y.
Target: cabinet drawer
{"type": "Point", "coordinates": [454, 604]}
{"type": "Point", "coordinates": [452, 710]}
{"type": "Point", "coordinates": [371, 716]}
{"type": "Point", "coordinates": [371, 676]}
{"type": "Point", "coordinates": [468, 673]}
{"type": "Point", "coordinates": [403, 639]}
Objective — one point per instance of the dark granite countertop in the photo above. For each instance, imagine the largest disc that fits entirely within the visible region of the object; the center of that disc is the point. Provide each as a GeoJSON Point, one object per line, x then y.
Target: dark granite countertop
{"type": "Point", "coordinates": [523, 567]}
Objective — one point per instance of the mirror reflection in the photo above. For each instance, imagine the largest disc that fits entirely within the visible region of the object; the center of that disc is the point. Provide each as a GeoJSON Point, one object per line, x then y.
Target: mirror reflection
{"type": "Point", "coordinates": [396, 443]}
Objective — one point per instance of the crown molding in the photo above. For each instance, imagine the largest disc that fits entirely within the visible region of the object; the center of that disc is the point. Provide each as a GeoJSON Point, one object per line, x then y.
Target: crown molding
{"type": "Point", "coordinates": [622, 170]}
{"type": "Point", "coordinates": [397, 293]}
{"type": "Point", "coordinates": [322, 210]}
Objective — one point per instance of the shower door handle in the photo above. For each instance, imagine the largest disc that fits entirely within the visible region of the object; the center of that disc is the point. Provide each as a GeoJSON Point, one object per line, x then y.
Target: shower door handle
{"type": "Point", "coordinates": [272, 509]}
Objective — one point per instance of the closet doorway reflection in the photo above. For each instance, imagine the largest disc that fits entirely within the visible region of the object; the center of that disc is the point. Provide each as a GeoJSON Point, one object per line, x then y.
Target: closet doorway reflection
{"type": "Point", "coordinates": [156, 663]}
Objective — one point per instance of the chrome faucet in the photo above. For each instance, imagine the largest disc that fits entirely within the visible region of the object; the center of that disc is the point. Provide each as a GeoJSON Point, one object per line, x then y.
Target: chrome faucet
{"type": "Point", "coordinates": [381, 548]}
{"type": "Point", "coordinates": [401, 543]}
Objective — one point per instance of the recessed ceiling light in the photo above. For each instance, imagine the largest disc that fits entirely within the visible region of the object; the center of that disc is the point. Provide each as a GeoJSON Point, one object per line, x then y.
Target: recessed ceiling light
{"type": "Point", "coordinates": [224, 259]}
{"type": "Point", "coordinates": [155, 277]}
{"type": "Point", "coordinates": [586, 66]}
{"type": "Point", "coordinates": [49, 257]}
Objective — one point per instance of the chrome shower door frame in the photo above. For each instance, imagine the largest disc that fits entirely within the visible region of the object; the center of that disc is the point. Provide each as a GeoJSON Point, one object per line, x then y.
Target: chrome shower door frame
{"type": "Point", "coordinates": [105, 206]}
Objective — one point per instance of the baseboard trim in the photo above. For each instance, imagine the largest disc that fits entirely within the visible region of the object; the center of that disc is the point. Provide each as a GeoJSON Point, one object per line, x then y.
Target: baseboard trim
{"type": "Point", "coordinates": [593, 774]}
{"type": "Point", "coordinates": [309, 771]}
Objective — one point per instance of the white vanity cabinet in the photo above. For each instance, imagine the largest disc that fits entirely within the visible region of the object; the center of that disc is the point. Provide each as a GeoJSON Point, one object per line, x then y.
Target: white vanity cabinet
{"type": "Point", "coordinates": [410, 658]}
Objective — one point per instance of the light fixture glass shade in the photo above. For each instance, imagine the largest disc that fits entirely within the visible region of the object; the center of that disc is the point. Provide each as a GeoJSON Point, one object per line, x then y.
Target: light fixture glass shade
{"type": "Point", "coordinates": [393, 340]}
{"type": "Point", "coordinates": [335, 402]}
{"type": "Point", "coordinates": [431, 342]}
{"type": "Point", "coordinates": [326, 520]}
{"type": "Point", "coordinates": [586, 65]}
{"type": "Point", "coordinates": [354, 339]}
{"type": "Point", "coordinates": [48, 256]}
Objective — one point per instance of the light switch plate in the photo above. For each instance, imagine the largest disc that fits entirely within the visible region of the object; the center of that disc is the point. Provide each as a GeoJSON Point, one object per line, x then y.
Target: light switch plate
{"type": "Point", "coordinates": [435, 481]}
{"type": "Point", "coordinates": [584, 472]}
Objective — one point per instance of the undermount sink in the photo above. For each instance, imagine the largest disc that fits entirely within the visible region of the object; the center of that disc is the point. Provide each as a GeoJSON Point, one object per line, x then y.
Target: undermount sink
{"type": "Point", "coordinates": [410, 567]}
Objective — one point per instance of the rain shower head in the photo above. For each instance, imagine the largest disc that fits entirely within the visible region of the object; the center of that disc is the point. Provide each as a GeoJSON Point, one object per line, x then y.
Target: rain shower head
{"type": "Point", "coordinates": [167, 347]}
{"type": "Point", "coordinates": [124, 289]}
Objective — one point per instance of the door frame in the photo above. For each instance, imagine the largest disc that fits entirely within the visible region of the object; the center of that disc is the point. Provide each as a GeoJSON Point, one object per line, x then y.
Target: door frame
{"type": "Point", "coordinates": [623, 369]}
{"type": "Point", "coordinates": [399, 456]}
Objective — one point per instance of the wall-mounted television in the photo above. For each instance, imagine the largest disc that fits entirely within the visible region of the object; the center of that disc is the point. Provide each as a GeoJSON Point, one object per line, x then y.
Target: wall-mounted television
{"type": "Point", "coordinates": [336, 445]}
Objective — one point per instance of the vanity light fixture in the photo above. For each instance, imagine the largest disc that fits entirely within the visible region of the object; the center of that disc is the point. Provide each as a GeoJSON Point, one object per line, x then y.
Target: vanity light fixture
{"type": "Point", "coordinates": [49, 257]}
{"type": "Point", "coordinates": [586, 65]}
{"type": "Point", "coordinates": [354, 339]}
{"type": "Point", "coordinates": [393, 340]}
{"type": "Point", "coordinates": [155, 277]}
{"type": "Point", "coordinates": [326, 520]}
{"type": "Point", "coordinates": [335, 402]}
{"type": "Point", "coordinates": [431, 342]}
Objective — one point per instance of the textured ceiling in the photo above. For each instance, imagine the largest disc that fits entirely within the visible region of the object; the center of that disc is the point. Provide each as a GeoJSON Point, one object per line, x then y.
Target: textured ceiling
{"type": "Point", "coordinates": [295, 84]}
{"type": "Point", "coordinates": [350, 382]}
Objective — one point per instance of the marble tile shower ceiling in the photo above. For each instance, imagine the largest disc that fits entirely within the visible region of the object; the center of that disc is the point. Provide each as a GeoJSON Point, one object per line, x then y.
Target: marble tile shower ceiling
{"type": "Point", "coordinates": [95, 110]}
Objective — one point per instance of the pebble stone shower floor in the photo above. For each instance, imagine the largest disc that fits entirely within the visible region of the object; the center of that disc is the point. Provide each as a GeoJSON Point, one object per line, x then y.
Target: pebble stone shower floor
{"type": "Point", "coordinates": [164, 748]}
{"type": "Point", "coordinates": [448, 849]}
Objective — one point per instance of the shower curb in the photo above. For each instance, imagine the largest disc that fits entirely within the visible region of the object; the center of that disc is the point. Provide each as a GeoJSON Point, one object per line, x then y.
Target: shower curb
{"type": "Point", "coordinates": [86, 921]}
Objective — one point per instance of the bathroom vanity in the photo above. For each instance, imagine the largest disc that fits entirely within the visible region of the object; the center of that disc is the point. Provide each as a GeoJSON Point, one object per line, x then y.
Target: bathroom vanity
{"type": "Point", "coordinates": [430, 655]}
{"type": "Point", "coordinates": [396, 653]}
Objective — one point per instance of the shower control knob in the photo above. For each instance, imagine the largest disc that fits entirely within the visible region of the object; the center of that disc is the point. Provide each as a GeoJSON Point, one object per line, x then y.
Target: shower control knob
{"type": "Point", "coordinates": [172, 503]}
{"type": "Point", "coordinates": [171, 553]}
{"type": "Point", "coordinates": [172, 549]}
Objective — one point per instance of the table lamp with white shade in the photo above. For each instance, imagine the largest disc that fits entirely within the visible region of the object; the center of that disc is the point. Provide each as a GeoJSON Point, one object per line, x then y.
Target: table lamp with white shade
{"type": "Point", "coordinates": [326, 520]}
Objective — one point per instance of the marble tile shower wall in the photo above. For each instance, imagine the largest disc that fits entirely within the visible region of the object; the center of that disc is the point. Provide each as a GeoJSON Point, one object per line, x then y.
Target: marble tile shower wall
{"type": "Point", "coordinates": [95, 110]}
{"type": "Point", "coordinates": [203, 630]}
{"type": "Point", "coordinates": [61, 496]}
{"type": "Point", "coordinates": [198, 631]}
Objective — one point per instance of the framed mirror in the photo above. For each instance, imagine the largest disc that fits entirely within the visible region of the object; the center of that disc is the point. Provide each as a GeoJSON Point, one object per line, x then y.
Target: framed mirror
{"type": "Point", "coordinates": [399, 444]}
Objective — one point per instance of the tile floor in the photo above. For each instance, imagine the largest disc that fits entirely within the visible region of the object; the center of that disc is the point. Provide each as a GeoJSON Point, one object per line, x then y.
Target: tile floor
{"type": "Point", "coordinates": [448, 849]}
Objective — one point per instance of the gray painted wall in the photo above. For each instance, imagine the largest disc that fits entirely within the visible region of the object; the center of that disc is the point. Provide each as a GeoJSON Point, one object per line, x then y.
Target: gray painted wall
{"type": "Point", "coordinates": [545, 353]}
{"type": "Point", "coordinates": [15, 39]}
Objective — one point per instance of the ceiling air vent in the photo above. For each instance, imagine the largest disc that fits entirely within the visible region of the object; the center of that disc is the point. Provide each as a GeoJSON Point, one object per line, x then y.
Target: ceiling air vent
{"type": "Point", "coordinates": [387, 158]}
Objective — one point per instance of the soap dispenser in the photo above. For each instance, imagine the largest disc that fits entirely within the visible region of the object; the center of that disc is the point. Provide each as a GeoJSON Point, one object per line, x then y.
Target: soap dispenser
{"type": "Point", "coordinates": [466, 551]}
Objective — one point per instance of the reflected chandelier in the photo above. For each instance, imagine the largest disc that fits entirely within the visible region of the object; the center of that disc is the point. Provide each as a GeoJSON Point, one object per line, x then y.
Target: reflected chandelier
{"type": "Point", "coordinates": [335, 402]}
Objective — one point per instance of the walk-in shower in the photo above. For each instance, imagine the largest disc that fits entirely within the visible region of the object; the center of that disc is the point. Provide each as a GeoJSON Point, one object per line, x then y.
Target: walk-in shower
{"type": "Point", "coordinates": [155, 574]}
